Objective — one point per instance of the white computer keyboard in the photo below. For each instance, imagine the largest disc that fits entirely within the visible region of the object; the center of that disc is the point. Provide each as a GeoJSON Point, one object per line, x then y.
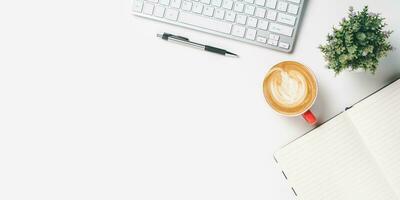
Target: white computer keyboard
{"type": "Point", "coordinates": [267, 23]}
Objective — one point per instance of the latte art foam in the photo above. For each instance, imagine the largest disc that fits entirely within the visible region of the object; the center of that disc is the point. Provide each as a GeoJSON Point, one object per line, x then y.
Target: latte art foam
{"type": "Point", "coordinates": [290, 88]}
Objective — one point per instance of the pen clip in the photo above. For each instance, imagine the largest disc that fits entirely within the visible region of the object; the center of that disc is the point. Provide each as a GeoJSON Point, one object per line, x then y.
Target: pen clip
{"type": "Point", "coordinates": [179, 37]}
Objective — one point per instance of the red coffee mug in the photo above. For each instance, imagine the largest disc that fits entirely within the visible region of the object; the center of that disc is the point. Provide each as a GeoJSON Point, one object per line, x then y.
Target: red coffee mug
{"type": "Point", "coordinates": [310, 79]}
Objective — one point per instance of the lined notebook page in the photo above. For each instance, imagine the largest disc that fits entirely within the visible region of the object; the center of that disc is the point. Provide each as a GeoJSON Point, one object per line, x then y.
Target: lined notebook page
{"type": "Point", "coordinates": [332, 163]}
{"type": "Point", "coordinates": [378, 122]}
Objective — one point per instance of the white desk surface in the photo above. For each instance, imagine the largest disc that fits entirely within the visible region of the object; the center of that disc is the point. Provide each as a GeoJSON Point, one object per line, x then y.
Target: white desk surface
{"type": "Point", "coordinates": [94, 106]}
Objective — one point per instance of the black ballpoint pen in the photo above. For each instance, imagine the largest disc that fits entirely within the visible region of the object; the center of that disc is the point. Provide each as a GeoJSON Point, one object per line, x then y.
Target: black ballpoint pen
{"type": "Point", "coordinates": [187, 42]}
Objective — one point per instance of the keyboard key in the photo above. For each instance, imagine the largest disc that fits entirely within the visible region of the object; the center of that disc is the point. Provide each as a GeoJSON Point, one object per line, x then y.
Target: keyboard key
{"type": "Point", "coordinates": [148, 8]}
{"type": "Point", "coordinates": [281, 29]}
{"type": "Point", "coordinates": [294, 1]}
{"type": "Point", "coordinates": [205, 22]}
{"type": "Point", "coordinates": [260, 12]}
{"type": "Point", "coordinates": [205, 1]}
{"type": "Point", "coordinates": [208, 11]}
{"type": "Point", "coordinates": [271, 4]}
{"type": "Point", "coordinates": [230, 16]}
{"type": "Point", "coordinates": [238, 31]}
{"type": "Point", "coordinates": [273, 36]}
{"type": "Point", "coordinates": [216, 3]}
{"type": "Point", "coordinates": [283, 45]}
{"type": "Point", "coordinates": [262, 24]}
{"type": "Point", "coordinates": [252, 22]}
{"type": "Point", "coordinates": [271, 15]}
{"type": "Point", "coordinates": [260, 2]}
{"type": "Point", "coordinates": [282, 6]}
{"type": "Point", "coordinates": [171, 14]}
{"type": "Point", "coordinates": [219, 13]}
{"type": "Point", "coordinates": [227, 4]}
{"type": "Point", "coordinates": [261, 39]}
{"type": "Point", "coordinates": [272, 42]}
{"type": "Point", "coordinates": [249, 1]}
{"type": "Point", "coordinates": [154, 1]}
{"type": "Point", "coordinates": [176, 3]}
{"type": "Point", "coordinates": [286, 19]}
{"type": "Point", "coordinates": [251, 34]}
{"type": "Point", "coordinates": [137, 6]}
{"type": "Point", "coordinates": [186, 5]}
{"type": "Point", "coordinates": [164, 2]}
{"type": "Point", "coordinates": [241, 19]}
{"type": "Point", "coordinates": [293, 9]}
{"type": "Point", "coordinates": [159, 11]}
{"type": "Point", "coordinates": [249, 10]}
{"type": "Point", "coordinates": [197, 7]}
{"type": "Point", "coordinates": [238, 7]}
{"type": "Point", "coordinates": [262, 33]}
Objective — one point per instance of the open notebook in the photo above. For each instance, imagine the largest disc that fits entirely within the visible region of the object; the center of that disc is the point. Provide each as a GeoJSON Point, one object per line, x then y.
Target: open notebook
{"type": "Point", "coordinates": [354, 156]}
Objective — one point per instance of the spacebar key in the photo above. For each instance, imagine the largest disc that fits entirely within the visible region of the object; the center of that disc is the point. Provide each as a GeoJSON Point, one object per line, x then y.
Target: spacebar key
{"type": "Point", "coordinates": [204, 22]}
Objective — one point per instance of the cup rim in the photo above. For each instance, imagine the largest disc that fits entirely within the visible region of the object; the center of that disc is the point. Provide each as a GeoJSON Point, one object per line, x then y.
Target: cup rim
{"type": "Point", "coordinates": [316, 91]}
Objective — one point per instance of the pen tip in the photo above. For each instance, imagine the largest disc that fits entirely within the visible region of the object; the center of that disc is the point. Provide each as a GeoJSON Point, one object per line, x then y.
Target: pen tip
{"type": "Point", "coordinates": [231, 54]}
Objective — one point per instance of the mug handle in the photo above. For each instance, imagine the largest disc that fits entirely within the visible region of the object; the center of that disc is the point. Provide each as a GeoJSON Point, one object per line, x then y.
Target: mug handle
{"type": "Point", "coordinates": [310, 117]}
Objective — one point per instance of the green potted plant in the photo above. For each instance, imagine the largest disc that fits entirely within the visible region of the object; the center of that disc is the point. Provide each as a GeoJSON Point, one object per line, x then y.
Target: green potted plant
{"type": "Point", "coordinates": [358, 43]}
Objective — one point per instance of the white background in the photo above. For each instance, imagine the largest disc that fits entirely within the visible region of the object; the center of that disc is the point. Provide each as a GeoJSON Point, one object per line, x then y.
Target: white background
{"type": "Point", "coordinates": [94, 106]}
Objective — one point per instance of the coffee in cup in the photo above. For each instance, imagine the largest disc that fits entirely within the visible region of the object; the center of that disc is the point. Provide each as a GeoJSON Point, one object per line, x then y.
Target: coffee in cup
{"type": "Point", "coordinates": [290, 88]}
